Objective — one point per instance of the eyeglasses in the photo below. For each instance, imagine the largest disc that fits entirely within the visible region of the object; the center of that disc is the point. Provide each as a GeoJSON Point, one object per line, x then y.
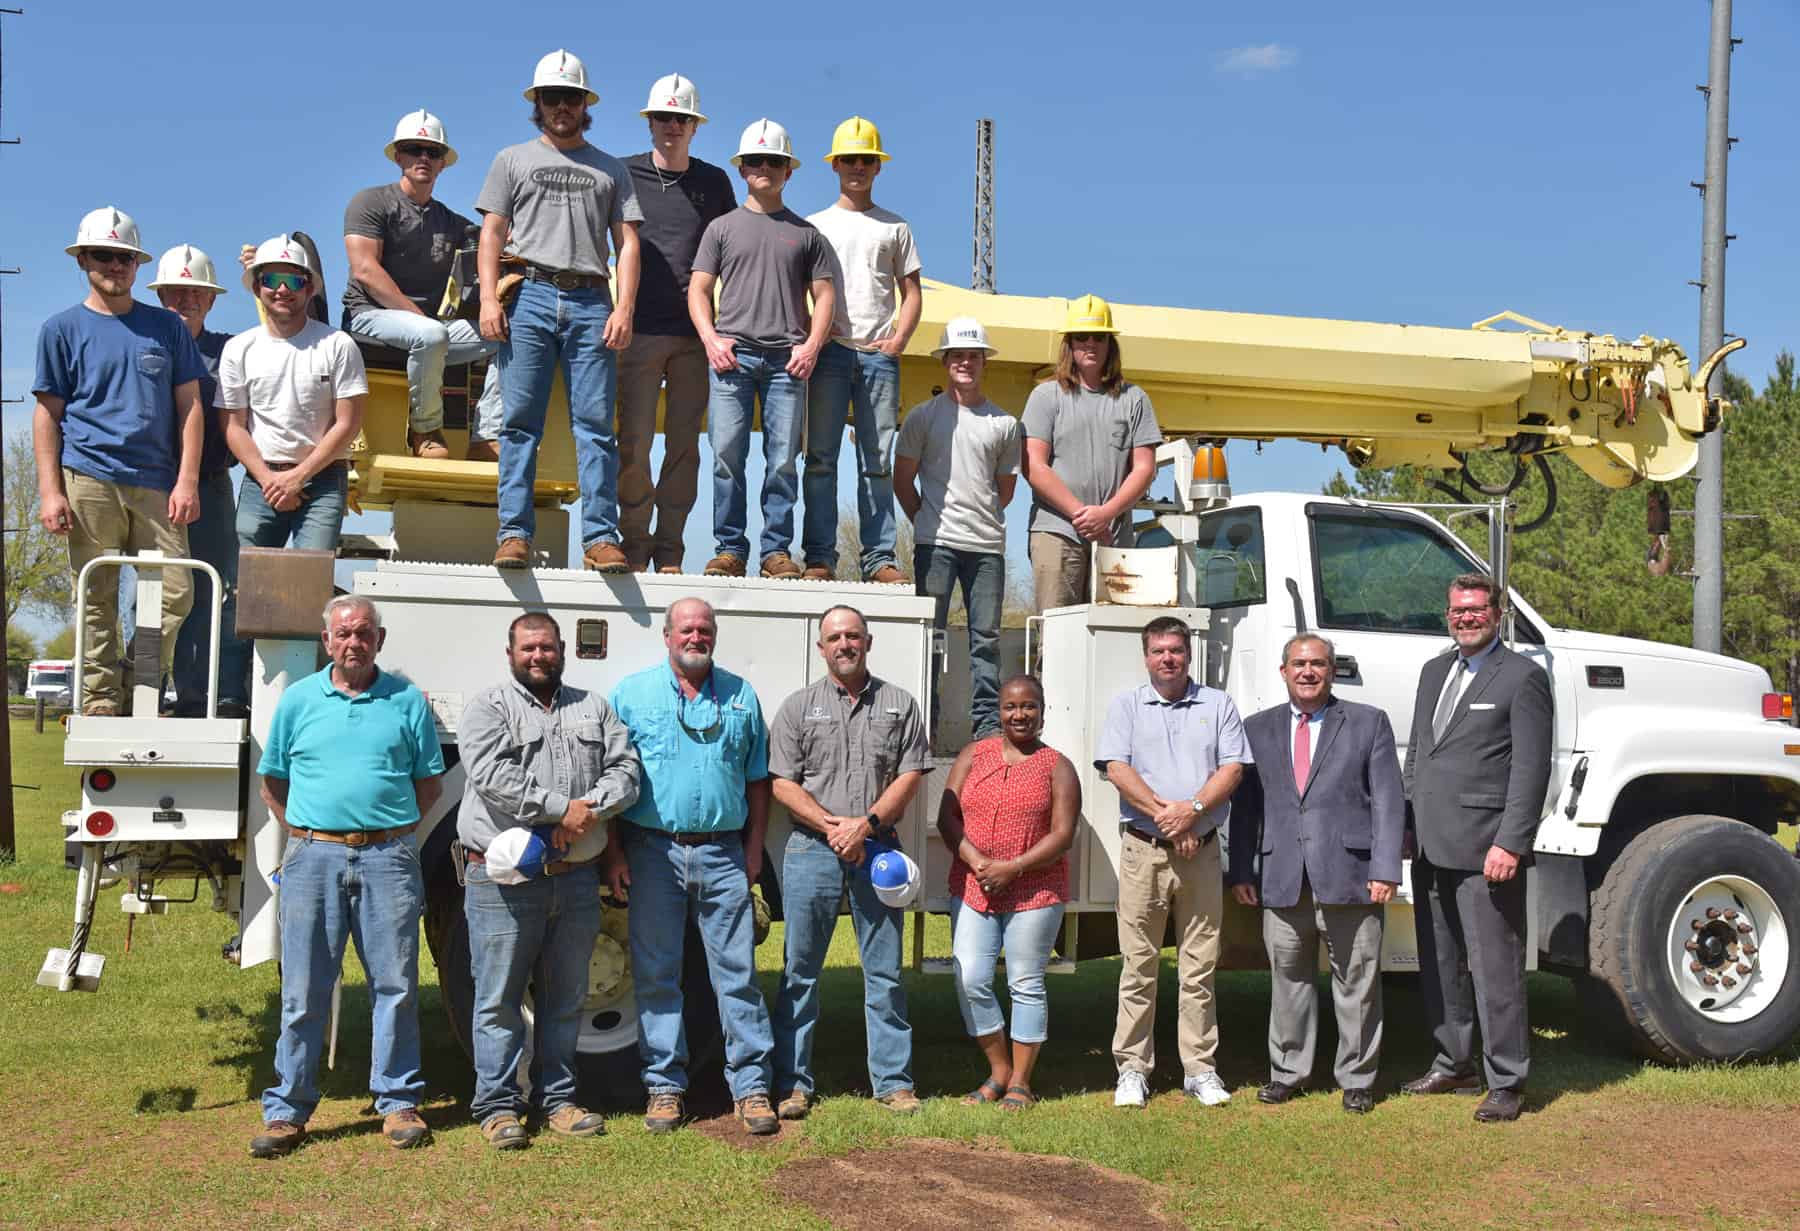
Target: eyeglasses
{"type": "Point", "coordinates": [1469, 613]}
{"type": "Point", "coordinates": [1087, 337]}
{"type": "Point", "coordinates": [111, 256]}
{"type": "Point", "coordinates": [764, 160]}
{"type": "Point", "coordinates": [556, 96]}
{"type": "Point", "coordinates": [858, 160]}
{"type": "Point", "coordinates": [668, 117]}
{"type": "Point", "coordinates": [282, 282]}
{"type": "Point", "coordinates": [419, 151]}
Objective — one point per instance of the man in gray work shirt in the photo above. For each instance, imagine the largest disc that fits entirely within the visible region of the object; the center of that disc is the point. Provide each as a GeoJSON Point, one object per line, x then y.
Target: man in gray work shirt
{"type": "Point", "coordinates": [555, 759]}
{"type": "Point", "coordinates": [846, 756]}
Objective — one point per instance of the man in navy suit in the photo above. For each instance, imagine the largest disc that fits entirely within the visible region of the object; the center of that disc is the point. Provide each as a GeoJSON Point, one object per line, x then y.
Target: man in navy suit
{"type": "Point", "coordinates": [1328, 823]}
{"type": "Point", "coordinates": [1477, 768]}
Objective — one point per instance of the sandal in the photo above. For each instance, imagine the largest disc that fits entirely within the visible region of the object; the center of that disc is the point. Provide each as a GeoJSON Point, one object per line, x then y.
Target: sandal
{"type": "Point", "coordinates": [504, 1132]}
{"type": "Point", "coordinates": [986, 1094]}
{"type": "Point", "coordinates": [1018, 1098]}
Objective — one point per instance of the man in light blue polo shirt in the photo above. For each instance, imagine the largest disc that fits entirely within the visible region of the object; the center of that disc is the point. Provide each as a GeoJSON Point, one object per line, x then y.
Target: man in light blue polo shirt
{"type": "Point", "coordinates": [350, 765]}
{"type": "Point", "coordinates": [692, 845]}
{"type": "Point", "coordinates": [1175, 750]}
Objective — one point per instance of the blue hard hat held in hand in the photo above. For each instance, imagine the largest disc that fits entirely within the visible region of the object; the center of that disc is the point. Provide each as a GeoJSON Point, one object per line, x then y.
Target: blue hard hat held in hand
{"type": "Point", "coordinates": [892, 872]}
{"type": "Point", "coordinates": [519, 855]}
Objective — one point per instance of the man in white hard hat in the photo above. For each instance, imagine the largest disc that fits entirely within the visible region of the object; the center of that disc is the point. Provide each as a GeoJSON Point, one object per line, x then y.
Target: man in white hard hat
{"type": "Point", "coordinates": [878, 308]}
{"type": "Point", "coordinates": [561, 198]}
{"type": "Point", "coordinates": [762, 347]}
{"type": "Point", "coordinates": [401, 241]}
{"type": "Point", "coordinates": [955, 469]}
{"type": "Point", "coordinates": [187, 284]}
{"type": "Point", "coordinates": [680, 195]}
{"type": "Point", "coordinates": [293, 392]}
{"type": "Point", "coordinates": [117, 437]}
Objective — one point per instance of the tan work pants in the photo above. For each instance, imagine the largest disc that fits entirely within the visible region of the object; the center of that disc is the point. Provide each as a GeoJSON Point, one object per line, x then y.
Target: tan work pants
{"type": "Point", "coordinates": [110, 519]}
{"type": "Point", "coordinates": [1059, 570]}
{"type": "Point", "coordinates": [1153, 882]}
{"type": "Point", "coordinates": [650, 362]}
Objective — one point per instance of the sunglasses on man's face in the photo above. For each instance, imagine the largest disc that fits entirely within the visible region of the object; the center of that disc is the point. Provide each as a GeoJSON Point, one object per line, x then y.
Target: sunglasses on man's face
{"type": "Point", "coordinates": [111, 256]}
{"type": "Point", "coordinates": [560, 97]}
{"type": "Point", "coordinates": [419, 151]}
{"type": "Point", "coordinates": [765, 160]}
{"type": "Point", "coordinates": [858, 160]}
{"type": "Point", "coordinates": [668, 117]}
{"type": "Point", "coordinates": [282, 282]}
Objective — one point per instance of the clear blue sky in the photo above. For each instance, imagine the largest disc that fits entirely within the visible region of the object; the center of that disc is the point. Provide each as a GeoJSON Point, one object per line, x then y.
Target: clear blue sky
{"type": "Point", "coordinates": [1420, 163]}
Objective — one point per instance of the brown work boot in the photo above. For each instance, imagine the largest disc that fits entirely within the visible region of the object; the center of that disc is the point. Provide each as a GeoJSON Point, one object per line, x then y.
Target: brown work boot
{"type": "Point", "coordinates": [669, 570]}
{"type": "Point", "coordinates": [406, 1129]}
{"type": "Point", "coordinates": [887, 575]}
{"type": "Point", "coordinates": [483, 451]}
{"type": "Point", "coordinates": [428, 444]}
{"type": "Point", "coordinates": [757, 1117]}
{"type": "Point", "coordinates": [780, 566]}
{"type": "Point", "coordinates": [99, 709]}
{"type": "Point", "coordinates": [794, 1105]}
{"type": "Point", "coordinates": [572, 1121]}
{"type": "Point", "coordinates": [816, 572]}
{"type": "Point", "coordinates": [513, 553]}
{"type": "Point", "coordinates": [606, 557]}
{"type": "Point", "coordinates": [725, 565]}
{"type": "Point", "coordinates": [665, 1113]}
{"type": "Point", "coordinates": [901, 1102]}
{"type": "Point", "coordinates": [278, 1137]}
{"type": "Point", "coordinates": [504, 1132]}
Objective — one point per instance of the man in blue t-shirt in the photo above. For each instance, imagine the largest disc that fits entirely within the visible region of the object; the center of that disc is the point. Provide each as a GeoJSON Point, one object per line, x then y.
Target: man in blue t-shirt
{"type": "Point", "coordinates": [117, 434]}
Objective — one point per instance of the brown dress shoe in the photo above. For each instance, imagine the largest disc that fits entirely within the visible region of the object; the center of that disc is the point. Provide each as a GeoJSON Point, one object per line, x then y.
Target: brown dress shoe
{"type": "Point", "coordinates": [725, 565]}
{"type": "Point", "coordinates": [816, 572]}
{"type": "Point", "coordinates": [427, 444]}
{"type": "Point", "coordinates": [513, 553]}
{"type": "Point", "coordinates": [606, 558]}
{"type": "Point", "coordinates": [887, 575]}
{"type": "Point", "coordinates": [1435, 1082]}
{"type": "Point", "coordinates": [406, 1129]}
{"type": "Point", "coordinates": [757, 1117]}
{"type": "Point", "coordinates": [483, 451]}
{"type": "Point", "coordinates": [278, 1137]}
{"type": "Point", "coordinates": [779, 566]}
{"type": "Point", "coordinates": [794, 1105]}
{"type": "Point", "coordinates": [1500, 1106]}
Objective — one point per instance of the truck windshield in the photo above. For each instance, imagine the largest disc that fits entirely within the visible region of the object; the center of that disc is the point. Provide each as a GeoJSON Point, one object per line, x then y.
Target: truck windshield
{"type": "Point", "coordinates": [1230, 558]}
{"type": "Point", "coordinates": [1381, 572]}
{"type": "Point", "coordinates": [54, 676]}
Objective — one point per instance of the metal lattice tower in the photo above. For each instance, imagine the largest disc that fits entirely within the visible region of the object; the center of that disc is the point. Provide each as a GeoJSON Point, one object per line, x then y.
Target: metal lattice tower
{"type": "Point", "coordinates": [982, 278]}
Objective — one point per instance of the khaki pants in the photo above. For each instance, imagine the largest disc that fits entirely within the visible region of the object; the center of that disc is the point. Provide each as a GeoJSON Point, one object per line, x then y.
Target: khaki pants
{"type": "Point", "coordinates": [111, 519]}
{"type": "Point", "coordinates": [1059, 570]}
{"type": "Point", "coordinates": [644, 366]}
{"type": "Point", "coordinates": [1154, 881]}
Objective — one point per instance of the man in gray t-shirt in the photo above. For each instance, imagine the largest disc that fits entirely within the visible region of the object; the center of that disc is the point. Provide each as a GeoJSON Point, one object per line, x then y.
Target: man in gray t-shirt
{"type": "Point", "coordinates": [1090, 453]}
{"type": "Point", "coordinates": [551, 204]}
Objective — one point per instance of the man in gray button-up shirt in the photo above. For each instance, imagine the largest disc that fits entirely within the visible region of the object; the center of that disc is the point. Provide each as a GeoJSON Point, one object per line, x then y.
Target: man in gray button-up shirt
{"type": "Point", "coordinates": [846, 756]}
{"type": "Point", "coordinates": [555, 759]}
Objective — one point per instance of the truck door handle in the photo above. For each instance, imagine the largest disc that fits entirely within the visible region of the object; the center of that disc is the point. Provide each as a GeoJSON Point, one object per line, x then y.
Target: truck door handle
{"type": "Point", "coordinates": [1344, 668]}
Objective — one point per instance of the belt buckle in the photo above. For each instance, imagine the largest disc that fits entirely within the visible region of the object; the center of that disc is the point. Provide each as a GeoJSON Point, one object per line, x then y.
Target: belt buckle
{"type": "Point", "coordinates": [565, 281]}
{"type": "Point", "coordinates": [357, 837]}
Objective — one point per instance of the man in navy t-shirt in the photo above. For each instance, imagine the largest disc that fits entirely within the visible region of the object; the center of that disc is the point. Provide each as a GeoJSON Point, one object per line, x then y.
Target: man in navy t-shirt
{"type": "Point", "coordinates": [117, 433]}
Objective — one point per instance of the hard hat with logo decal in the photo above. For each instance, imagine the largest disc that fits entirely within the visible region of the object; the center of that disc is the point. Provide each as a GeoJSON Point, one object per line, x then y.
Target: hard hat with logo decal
{"type": "Point", "coordinates": [963, 333]}
{"type": "Point", "coordinates": [893, 873]}
{"type": "Point", "coordinates": [560, 71]}
{"type": "Point", "coordinates": [674, 95]}
{"type": "Point", "coordinates": [108, 227]}
{"type": "Point", "coordinates": [282, 250]}
{"type": "Point", "coordinates": [856, 136]}
{"type": "Point", "coordinates": [420, 125]}
{"type": "Point", "coordinates": [518, 854]}
{"type": "Point", "coordinates": [1089, 314]}
{"type": "Point", "coordinates": [765, 137]}
{"type": "Point", "coordinates": [186, 265]}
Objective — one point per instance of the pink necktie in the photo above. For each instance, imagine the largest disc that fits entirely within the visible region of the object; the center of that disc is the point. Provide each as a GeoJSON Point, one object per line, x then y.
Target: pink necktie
{"type": "Point", "coordinates": [1302, 752]}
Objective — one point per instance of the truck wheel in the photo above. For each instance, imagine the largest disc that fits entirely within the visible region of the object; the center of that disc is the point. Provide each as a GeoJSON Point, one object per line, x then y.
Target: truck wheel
{"type": "Point", "coordinates": [606, 1053]}
{"type": "Point", "coordinates": [1693, 935]}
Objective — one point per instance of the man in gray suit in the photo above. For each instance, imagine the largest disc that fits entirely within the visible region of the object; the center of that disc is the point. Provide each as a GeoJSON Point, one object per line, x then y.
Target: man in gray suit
{"type": "Point", "coordinates": [1328, 823]}
{"type": "Point", "coordinates": [1477, 768]}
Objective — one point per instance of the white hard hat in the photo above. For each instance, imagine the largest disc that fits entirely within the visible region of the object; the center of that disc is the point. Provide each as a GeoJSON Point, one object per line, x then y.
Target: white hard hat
{"type": "Point", "coordinates": [420, 125]}
{"type": "Point", "coordinates": [895, 877]}
{"type": "Point", "coordinates": [963, 333]}
{"type": "Point", "coordinates": [560, 71]}
{"type": "Point", "coordinates": [765, 137]}
{"type": "Point", "coordinates": [674, 95]}
{"type": "Point", "coordinates": [282, 250]}
{"type": "Point", "coordinates": [108, 227]}
{"type": "Point", "coordinates": [518, 855]}
{"type": "Point", "coordinates": [186, 265]}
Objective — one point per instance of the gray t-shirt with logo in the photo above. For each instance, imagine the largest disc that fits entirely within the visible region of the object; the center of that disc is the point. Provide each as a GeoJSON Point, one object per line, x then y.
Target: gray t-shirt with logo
{"type": "Point", "coordinates": [1091, 437]}
{"type": "Point", "coordinates": [764, 263]}
{"type": "Point", "coordinates": [963, 452]}
{"type": "Point", "coordinates": [560, 203]}
{"type": "Point", "coordinates": [418, 243]}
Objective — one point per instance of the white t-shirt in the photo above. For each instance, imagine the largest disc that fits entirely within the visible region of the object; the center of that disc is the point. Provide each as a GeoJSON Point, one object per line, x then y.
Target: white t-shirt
{"type": "Point", "coordinates": [875, 251]}
{"type": "Point", "coordinates": [290, 386]}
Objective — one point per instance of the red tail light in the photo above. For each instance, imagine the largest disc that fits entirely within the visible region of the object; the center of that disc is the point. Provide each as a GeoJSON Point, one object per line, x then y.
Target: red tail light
{"type": "Point", "coordinates": [102, 780]}
{"type": "Point", "coordinates": [1778, 706]}
{"type": "Point", "coordinates": [100, 823]}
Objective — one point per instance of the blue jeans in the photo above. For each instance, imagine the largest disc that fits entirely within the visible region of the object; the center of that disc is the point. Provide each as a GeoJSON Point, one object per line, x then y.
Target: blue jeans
{"type": "Point", "coordinates": [542, 933]}
{"type": "Point", "coordinates": [430, 344]}
{"type": "Point", "coordinates": [547, 330]}
{"type": "Point", "coordinates": [374, 896]}
{"type": "Point", "coordinates": [759, 375]}
{"type": "Point", "coordinates": [865, 384]}
{"type": "Point", "coordinates": [671, 883]}
{"type": "Point", "coordinates": [976, 940]}
{"type": "Point", "coordinates": [212, 537]}
{"type": "Point", "coordinates": [937, 571]}
{"type": "Point", "coordinates": [316, 525]}
{"type": "Point", "coordinates": [813, 879]}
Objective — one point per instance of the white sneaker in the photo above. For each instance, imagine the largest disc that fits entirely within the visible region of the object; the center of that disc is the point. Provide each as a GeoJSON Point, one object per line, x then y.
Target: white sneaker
{"type": "Point", "coordinates": [1132, 1091]}
{"type": "Point", "coordinates": [1207, 1088]}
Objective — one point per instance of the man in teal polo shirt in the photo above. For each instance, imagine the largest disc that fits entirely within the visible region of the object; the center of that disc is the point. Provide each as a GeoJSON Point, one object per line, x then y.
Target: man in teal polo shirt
{"type": "Point", "coordinates": [351, 764]}
{"type": "Point", "coordinates": [692, 847]}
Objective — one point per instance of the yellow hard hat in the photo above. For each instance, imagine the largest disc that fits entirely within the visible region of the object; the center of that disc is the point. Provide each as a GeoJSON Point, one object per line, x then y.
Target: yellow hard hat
{"type": "Point", "coordinates": [856, 136]}
{"type": "Point", "coordinates": [1089, 314]}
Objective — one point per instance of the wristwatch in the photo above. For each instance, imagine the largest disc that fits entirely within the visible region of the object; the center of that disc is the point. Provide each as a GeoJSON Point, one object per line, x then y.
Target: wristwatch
{"type": "Point", "coordinates": [1199, 804]}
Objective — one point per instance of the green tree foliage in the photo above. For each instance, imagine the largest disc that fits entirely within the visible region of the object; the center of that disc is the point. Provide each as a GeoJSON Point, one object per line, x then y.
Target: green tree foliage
{"type": "Point", "coordinates": [1586, 566]}
{"type": "Point", "coordinates": [37, 562]}
{"type": "Point", "coordinates": [62, 645]}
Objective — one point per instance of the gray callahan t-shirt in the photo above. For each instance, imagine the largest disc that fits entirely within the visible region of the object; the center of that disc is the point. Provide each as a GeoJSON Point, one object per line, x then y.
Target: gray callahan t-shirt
{"type": "Point", "coordinates": [764, 263]}
{"type": "Point", "coordinates": [560, 203]}
{"type": "Point", "coordinates": [1091, 437]}
{"type": "Point", "coordinates": [418, 243]}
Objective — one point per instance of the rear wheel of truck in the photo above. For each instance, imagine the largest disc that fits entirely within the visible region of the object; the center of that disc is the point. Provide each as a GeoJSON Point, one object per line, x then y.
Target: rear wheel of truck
{"type": "Point", "coordinates": [1693, 935]}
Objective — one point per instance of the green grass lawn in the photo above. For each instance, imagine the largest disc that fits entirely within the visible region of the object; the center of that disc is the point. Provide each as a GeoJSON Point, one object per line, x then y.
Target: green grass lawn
{"type": "Point", "coordinates": [139, 1103]}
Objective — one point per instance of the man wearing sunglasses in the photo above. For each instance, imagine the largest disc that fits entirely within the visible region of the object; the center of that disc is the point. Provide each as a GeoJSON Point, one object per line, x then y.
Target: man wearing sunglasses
{"type": "Point", "coordinates": [117, 437]}
{"type": "Point", "coordinates": [401, 241]}
{"type": "Point", "coordinates": [679, 195]}
{"type": "Point", "coordinates": [762, 347]}
{"type": "Point", "coordinates": [878, 308]}
{"type": "Point", "coordinates": [558, 198]}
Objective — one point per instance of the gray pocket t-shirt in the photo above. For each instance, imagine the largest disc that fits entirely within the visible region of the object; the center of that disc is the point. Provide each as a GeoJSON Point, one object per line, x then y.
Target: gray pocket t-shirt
{"type": "Point", "coordinates": [963, 452]}
{"type": "Point", "coordinates": [560, 203]}
{"type": "Point", "coordinates": [418, 243]}
{"type": "Point", "coordinates": [1091, 437]}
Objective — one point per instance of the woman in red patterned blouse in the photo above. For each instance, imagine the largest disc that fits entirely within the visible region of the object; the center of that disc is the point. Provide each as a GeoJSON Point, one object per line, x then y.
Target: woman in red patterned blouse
{"type": "Point", "coordinates": [1008, 814]}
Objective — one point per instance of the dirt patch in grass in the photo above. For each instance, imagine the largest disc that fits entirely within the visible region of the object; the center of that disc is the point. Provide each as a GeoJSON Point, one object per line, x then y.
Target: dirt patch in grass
{"type": "Point", "coordinates": [943, 1186]}
{"type": "Point", "coordinates": [725, 1128]}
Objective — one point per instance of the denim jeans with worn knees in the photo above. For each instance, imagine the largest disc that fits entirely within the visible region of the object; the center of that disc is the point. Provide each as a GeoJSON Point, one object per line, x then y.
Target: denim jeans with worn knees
{"type": "Point", "coordinates": [430, 345]}
{"type": "Point", "coordinates": [976, 942]}
{"type": "Point", "coordinates": [760, 375]}
{"type": "Point", "coordinates": [860, 388]}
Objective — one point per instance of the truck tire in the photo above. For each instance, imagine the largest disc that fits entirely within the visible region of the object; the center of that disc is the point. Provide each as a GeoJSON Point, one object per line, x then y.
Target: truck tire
{"type": "Point", "coordinates": [1693, 935]}
{"type": "Point", "coordinates": [607, 1054]}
